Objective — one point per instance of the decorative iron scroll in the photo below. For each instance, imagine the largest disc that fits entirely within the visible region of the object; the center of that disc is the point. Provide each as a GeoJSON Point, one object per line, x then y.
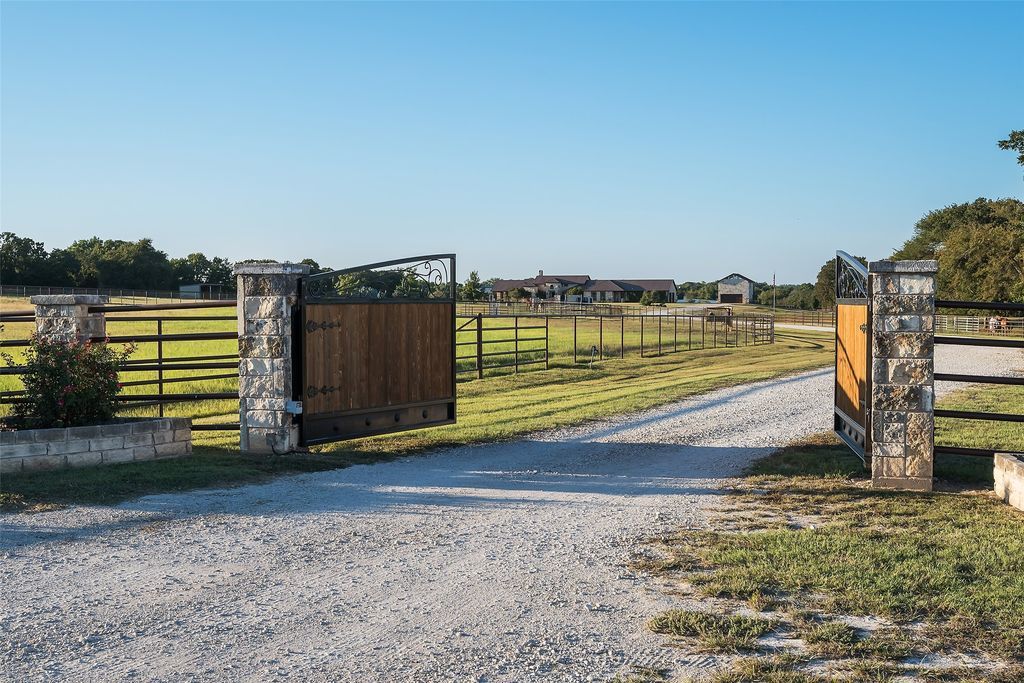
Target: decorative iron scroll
{"type": "Point", "coordinates": [423, 278]}
{"type": "Point", "coordinates": [851, 277]}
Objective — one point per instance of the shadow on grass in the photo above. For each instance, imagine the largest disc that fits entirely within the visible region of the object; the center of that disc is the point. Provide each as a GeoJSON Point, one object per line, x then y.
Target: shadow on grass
{"type": "Point", "coordinates": [207, 467]}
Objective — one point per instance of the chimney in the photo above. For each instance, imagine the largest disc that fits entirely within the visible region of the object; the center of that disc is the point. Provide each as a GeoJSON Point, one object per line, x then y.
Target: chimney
{"type": "Point", "coordinates": [540, 273]}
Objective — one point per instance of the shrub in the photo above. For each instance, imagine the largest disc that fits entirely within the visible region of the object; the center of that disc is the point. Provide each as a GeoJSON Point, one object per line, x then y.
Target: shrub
{"type": "Point", "coordinates": [68, 384]}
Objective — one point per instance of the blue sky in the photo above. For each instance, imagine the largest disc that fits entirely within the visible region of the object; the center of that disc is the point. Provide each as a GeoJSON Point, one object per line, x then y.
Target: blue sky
{"type": "Point", "coordinates": [619, 140]}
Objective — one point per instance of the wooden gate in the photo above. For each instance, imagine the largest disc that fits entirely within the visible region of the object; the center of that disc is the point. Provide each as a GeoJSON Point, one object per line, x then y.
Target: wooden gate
{"type": "Point", "coordinates": [378, 349]}
{"type": "Point", "coordinates": [853, 354]}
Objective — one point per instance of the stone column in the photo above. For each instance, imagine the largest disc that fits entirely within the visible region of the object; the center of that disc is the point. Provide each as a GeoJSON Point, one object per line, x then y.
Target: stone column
{"type": "Point", "coordinates": [266, 294]}
{"type": "Point", "coordinates": [902, 373]}
{"type": "Point", "coordinates": [66, 317]}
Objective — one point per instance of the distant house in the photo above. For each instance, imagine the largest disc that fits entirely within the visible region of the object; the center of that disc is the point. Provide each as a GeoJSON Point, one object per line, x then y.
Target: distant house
{"type": "Point", "coordinates": [557, 287]}
{"type": "Point", "coordinates": [629, 290]}
{"type": "Point", "coordinates": [735, 289]}
{"type": "Point", "coordinates": [542, 286]}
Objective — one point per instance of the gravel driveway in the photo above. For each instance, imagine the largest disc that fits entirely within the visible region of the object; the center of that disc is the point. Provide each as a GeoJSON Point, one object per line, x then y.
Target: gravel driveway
{"type": "Point", "coordinates": [502, 562]}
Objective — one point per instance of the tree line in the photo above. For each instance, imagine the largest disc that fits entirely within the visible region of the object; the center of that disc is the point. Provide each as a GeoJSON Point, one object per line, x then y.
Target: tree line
{"type": "Point", "coordinates": [110, 264]}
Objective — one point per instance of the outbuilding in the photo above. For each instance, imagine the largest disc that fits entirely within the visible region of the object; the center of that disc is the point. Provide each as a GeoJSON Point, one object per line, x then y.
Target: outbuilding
{"type": "Point", "coordinates": [735, 289]}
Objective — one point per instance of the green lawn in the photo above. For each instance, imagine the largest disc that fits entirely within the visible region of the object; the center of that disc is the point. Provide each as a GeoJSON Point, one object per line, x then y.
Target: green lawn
{"type": "Point", "coordinates": [804, 541]}
{"type": "Point", "coordinates": [489, 410]}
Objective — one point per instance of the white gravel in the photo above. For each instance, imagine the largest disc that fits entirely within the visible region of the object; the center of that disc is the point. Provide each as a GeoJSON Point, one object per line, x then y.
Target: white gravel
{"type": "Point", "coordinates": [503, 562]}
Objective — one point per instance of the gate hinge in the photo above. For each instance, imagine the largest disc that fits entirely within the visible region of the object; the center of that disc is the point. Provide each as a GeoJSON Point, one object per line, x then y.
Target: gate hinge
{"type": "Point", "coordinates": [293, 407]}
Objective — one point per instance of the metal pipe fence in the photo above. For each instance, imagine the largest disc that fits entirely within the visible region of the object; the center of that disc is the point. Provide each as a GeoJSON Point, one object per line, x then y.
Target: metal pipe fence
{"type": "Point", "coordinates": [171, 360]}
{"type": "Point", "coordinates": [132, 295]}
{"type": "Point", "coordinates": [501, 344]}
{"type": "Point", "coordinates": [989, 340]}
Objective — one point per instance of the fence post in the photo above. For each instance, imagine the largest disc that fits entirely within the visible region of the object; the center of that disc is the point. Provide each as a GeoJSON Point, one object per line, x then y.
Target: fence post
{"type": "Point", "coordinates": [515, 362]}
{"type": "Point", "coordinates": [66, 317]}
{"type": "Point", "coordinates": [902, 409]}
{"type": "Point", "coordinates": [600, 334]}
{"type": "Point", "coordinates": [479, 346]}
{"type": "Point", "coordinates": [574, 340]}
{"type": "Point", "coordinates": [641, 336]}
{"type": "Point", "coordinates": [267, 298]}
{"type": "Point", "coordinates": [160, 363]}
{"type": "Point", "coordinates": [546, 365]}
{"type": "Point", "coordinates": [622, 336]}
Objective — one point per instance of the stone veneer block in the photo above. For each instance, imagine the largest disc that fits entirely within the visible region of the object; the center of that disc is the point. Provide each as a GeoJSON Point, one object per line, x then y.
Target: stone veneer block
{"type": "Point", "coordinates": [1008, 470]}
{"type": "Point", "coordinates": [47, 449]}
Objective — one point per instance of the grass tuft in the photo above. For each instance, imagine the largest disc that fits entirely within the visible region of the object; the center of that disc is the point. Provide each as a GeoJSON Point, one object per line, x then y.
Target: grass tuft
{"type": "Point", "coordinates": [730, 633]}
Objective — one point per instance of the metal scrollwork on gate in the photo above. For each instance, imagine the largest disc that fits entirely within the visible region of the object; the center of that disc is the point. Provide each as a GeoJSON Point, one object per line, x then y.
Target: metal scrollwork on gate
{"type": "Point", "coordinates": [423, 278]}
{"type": "Point", "coordinates": [851, 278]}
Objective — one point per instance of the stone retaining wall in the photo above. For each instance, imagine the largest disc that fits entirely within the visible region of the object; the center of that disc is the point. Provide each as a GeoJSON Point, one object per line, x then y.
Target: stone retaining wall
{"type": "Point", "coordinates": [129, 441]}
{"type": "Point", "coordinates": [1009, 476]}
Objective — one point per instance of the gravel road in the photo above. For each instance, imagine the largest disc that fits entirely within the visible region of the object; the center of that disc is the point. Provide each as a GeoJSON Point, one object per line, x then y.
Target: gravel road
{"type": "Point", "coordinates": [503, 562]}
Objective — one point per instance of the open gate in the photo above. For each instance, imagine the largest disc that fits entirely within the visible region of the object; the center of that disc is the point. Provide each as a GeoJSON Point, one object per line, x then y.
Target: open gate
{"type": "Point", "coordinates": [853, 354]}
{"type": "Point", "coordinates": [378, 349]}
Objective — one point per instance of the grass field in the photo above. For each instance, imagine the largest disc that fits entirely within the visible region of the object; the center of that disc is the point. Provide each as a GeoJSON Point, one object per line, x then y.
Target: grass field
{"type": "Point", "coordinates": [676, 336]}
{"type": "Point", "coordinates": [492, 409]}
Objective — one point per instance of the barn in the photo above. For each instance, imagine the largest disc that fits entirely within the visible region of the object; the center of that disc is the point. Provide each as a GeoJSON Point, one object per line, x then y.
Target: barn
{"type": "Point", "coordinates": [735, 289]}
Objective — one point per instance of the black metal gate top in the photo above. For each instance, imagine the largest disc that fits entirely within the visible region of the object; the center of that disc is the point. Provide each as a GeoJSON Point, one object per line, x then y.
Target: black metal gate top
{"type": "Point", "coordinates": [378, 348]}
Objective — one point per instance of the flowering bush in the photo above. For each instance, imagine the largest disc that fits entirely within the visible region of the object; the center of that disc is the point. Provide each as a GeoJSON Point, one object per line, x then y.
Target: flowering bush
{"type": "Point", "coordinates": [68, 384]}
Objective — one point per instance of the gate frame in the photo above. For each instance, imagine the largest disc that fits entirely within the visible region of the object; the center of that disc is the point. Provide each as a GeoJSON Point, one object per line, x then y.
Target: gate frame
{"type": "Point", "coordinates": [299, 329]}
{"type": "Point", "coordinates": [853, 287]}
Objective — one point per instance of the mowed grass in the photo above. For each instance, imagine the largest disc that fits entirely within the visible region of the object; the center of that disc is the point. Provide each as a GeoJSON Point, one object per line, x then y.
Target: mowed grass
{"type": "Point", "coordinates": [491, 409]}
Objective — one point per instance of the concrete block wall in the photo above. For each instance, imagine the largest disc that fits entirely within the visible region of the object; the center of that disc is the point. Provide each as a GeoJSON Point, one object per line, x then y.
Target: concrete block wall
{"type": "Point", "coordinates": [902, 373]}
{"type": "Point", "coordinates": [129, 441]}
{"type": "Point", "coordinates": [266, 294]}
{"type": "Point", "coordinates": [1009, 476]}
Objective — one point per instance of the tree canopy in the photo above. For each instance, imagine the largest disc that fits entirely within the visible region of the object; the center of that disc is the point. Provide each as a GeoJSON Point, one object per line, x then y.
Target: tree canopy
{"type": "Point", "coordinates": [1014, 142]}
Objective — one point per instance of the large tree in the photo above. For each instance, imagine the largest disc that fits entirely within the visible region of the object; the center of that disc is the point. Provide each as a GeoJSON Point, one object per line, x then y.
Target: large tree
{"type": "Point", "coordinates": [119, 263]}
{"type": "Point", "coordinates": [471, 289]}
{"type": "Point", "coordinates": [1015, 143]}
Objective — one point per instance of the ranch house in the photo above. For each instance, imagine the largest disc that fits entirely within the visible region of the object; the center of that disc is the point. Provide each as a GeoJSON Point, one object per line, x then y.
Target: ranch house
{"type": "Point", "coordinates": [557, 287]}
{"type": "Point", "coordinates": [735, 289]}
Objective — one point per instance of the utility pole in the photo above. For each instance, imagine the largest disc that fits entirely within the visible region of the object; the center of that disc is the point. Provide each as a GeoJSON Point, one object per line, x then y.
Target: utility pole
{"type": "Point", "coordinates": [773, 293]}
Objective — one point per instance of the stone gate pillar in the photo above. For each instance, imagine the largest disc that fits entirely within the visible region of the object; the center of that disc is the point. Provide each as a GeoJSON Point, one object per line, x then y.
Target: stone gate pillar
{"type": "Point", "coordinates": [266, 294]}
{"type": "Point", "coordinates": [902, 373]}
{"type": "Point", "coordinates": [66, 317]}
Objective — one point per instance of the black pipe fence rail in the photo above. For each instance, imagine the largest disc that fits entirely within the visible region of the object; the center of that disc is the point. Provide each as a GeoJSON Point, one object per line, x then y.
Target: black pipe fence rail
{"type": "Point", "coordinates": [171, 365]}
{"type": "Point", "coordinates": [118, 293]}
{"type": "Point", "coordinates": [504, 343]}
{"type": "Point", "coordinates": [992, 342]}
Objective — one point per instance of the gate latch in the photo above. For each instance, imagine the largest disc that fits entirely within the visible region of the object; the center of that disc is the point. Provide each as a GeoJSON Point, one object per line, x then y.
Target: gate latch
{"type": "Point", "coordinates": [864, 327]}
{"type": "Point", "coordinates": [293, 407]}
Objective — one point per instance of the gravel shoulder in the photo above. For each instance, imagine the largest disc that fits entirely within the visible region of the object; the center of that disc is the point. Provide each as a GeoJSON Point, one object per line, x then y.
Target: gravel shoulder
{"type": "Point", "coordinates": [502, 562]}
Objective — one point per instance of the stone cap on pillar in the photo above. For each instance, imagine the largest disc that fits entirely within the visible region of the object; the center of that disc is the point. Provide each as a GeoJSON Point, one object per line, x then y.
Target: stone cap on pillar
{"type": "Point", "coordinates": [272, 269]}
{"type": "Point", "coordinates": [69, 299]}
{"type": "Point", "coordinates": [903, 266]}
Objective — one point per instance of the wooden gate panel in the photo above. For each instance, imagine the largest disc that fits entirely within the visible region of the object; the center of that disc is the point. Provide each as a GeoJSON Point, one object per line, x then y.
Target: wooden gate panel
{"type": "Point", "coordinates": [853, 354]}
{"type": "Point", "coordinates": [851, 360]}
{"type": "Point", "coordinates": [377, 365]}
